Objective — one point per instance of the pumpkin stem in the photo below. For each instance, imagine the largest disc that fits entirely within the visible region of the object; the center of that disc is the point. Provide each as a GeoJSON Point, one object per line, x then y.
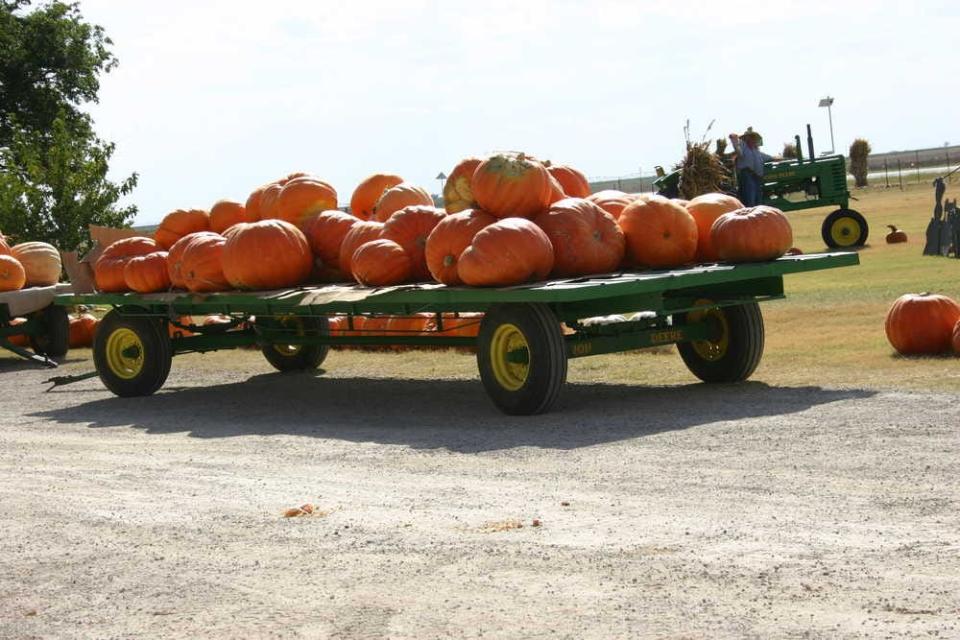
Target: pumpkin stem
{"type": "Point", "coordinates": [893, 228]}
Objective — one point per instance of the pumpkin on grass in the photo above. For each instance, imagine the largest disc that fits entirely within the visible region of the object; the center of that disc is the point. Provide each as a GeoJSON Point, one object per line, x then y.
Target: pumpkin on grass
{"type": "Point", "coordinates": [896, 235]}
{"type": "Point", "coordinates": [508, 252]}
{"type": "Point", "coordinates": [299, 198]}
{"type": "Point", "coordinates": [922, 324]}
{"type": "Point", "coordinates": [360, 233]}
{"type": "Point", "coordinates": [573, 183]}
{"type": "Point", "coordinates": [108, 269]}
{"type": "Point", "coordinates": [368, 192]}
{"type": "Point", "coordinates": [398, 197]}
{"type": "Point", "coordinates": [449, 238]}
{"type": "Point", "coordinates": [659, 233]}
{"type": "Point", "coordinates": [179, 223]}
{"type": "Point", "coordinates": [586, 239]}
{"type": "Point", "coordinates": [513, 185]}
{"type": "Point", "coordinates": [82, 327]}
{"type": "Point", "coordinates": [381, 263]}
{"type": "Point", "coordinates": [457, 194]}
{"type": "Point", "coordinates": [955, 338]}
{"type": "Point", "coordinates": [705, 209]}
{"type": "Point", "coordinates": [752, 234]}
{"type": "Point", "coordinates": [409, 227]}
{"type": "Point", "coordinates": [147, 273]}
{"type": "Point", "coordinates": [226, 213]}
{"type": "Point", "coordinates": [41, 263]}
{"type": "Point", "coordinates": [12, 274]}
{"type": "Point", "coordinates": [269, 254]}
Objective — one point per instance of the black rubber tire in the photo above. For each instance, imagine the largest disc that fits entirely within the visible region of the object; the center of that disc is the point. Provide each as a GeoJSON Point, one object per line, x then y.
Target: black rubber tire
{"type": "Point", "coordinates": [852, 240]}
{"type": "Point", "coordinates": [157, 354]}
{"type": "Point", "coordinates": [547, 358]}
{"type": "Point", "coordinates": [745, 337]}
{"type": "Point", "coordinates": [53, 338]}
{"type": "Point", "coordinates": [303, 358]}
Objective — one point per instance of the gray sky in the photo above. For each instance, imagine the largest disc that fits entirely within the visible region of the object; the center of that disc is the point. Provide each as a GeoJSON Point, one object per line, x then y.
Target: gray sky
{"type": "Point", "coordinates": [213, 98]}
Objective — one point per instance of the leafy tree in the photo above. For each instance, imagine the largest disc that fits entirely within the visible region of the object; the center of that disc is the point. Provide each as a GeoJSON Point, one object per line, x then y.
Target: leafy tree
{"type": "Point", "coordinates": [53, 167]}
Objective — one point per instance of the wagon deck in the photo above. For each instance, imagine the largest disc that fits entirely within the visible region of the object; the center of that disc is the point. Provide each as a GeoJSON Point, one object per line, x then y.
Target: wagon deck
{"type": "Point", "coordinates": [710, 311]}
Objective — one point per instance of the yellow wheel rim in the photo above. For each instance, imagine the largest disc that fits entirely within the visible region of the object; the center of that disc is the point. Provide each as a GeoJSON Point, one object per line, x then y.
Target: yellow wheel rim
{"type": "Point", "coordinates": [290, 349]}
{"type": "Point", "coordinates": [506, 349]}
{"type": "Point", "coordinates": [124, 352]}
{"type": "Point", "coordinates": [845, 231]}
{"type": "Point", "coordinates": [711, 350]}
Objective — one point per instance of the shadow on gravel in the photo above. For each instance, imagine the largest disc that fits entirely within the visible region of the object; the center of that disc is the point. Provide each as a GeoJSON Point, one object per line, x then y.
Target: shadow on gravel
{"type": "Point", "coordinates": [428, 414]}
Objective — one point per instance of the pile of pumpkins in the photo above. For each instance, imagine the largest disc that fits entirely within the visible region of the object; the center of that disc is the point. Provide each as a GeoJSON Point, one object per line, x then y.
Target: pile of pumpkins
{"type": "Point", "coordinates": [508, 219]}
{"type": "Point", "coordinates": [924, 324]}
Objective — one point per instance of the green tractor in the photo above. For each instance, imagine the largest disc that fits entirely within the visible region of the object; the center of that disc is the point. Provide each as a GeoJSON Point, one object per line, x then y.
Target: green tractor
{"type": "Point", "coordinates": [799, 183]}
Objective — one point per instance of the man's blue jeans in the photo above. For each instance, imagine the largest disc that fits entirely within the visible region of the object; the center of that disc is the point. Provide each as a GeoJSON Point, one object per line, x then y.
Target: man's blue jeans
{"type": "Point", "coordinates": [750, 188]}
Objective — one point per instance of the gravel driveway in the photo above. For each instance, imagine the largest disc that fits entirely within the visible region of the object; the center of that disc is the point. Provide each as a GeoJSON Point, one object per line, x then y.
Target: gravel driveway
{"type": "Point", "coordinates": [743, 511]}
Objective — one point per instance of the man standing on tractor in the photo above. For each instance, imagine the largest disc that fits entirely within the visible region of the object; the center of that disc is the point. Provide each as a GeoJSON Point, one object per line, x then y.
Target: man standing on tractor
{"type": "Point", "coordinates": [749, 166]}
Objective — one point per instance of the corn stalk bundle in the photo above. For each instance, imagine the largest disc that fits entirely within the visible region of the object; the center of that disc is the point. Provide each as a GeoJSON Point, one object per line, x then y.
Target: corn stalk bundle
{"type": "Point", "coordinates": [701, 171]}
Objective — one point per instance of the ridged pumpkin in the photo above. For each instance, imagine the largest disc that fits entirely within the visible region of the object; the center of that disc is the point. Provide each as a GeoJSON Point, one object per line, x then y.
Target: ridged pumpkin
{"type": "Point", "coordinates": [659, 233]}
{"type": "Point", "coordinates": [226, 213]}
{"type": "Point", "coordinates": [12, 275]}
{"type": "Point", "coordinates": [108, 269]}
{"type": "Point", "coordinates": [147, 273]}
{"type": "Point", "coordinates": [752, 234]}
{"type": "Point", "coordinates": [705, 209]}
{"type": "Point", "coordinates": [409, 227]}
{"type": "Point", "coordinates": [175, 256]}
{"type": "Point", "coordinates": [606, 193]}
{"type": "Point", "coordinates": [922, 324]}
{"type": "Point", "coordinates": [360, 233]}
{"type": "Point", "coordinates": [449, 238]}
{"type": "Point", "coordinates": [508, 252]}
{"type": "Point", "coordinates": [368, 192]}
{"type": "Point", "coordinates": [41, 263]}
{"type": "Point", "coordinates": [269, 254]}
{"type": "Point", "coordinates": [398, 197]}
{"type": "Point", "coordinates": [301, 197]}
{"type": "Point", "coordinates": [201, 265]}
{"type": "Point", "coordinates": [179, 223]}
{"type": "Point", "coordinates": [457, 194]}
{"type": "Point", "coordinates": [513, 185]}
{"type": "Point", "coordinates": [381, 263]}
{"type": "Point", "coordinates": [325, 233]}
{"type": "Point", "coordinates": [252, 207]}
{"type": "Point", "coordinates": [82, 328]}
{"type": "Point", "coordinates": [586, 239]}
{"type": "Point", "coordinates": [573, 183]}
{"type": "Point", "coordinates": [614, 204]}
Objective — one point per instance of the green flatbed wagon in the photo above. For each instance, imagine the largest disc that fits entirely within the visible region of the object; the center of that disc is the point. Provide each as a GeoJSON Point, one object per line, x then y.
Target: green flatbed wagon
{"type": "Point", "coordinates": [710, 312]}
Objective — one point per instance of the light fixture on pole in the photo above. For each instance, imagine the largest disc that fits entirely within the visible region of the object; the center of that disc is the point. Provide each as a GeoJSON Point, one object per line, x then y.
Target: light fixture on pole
{"type": "Point", "coordinates": [828, 102]}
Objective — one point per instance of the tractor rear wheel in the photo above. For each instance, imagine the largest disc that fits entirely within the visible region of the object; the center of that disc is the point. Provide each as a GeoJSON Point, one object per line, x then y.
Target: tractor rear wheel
{"type": "Point", "coordinates": [844, 229]}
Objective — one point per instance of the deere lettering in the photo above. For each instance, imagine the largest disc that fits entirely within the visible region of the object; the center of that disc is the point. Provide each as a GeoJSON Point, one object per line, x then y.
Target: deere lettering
{"type": "Point", "coordinates": [674, 335]}
{"type": "Point", "coordinates": [582, 348]}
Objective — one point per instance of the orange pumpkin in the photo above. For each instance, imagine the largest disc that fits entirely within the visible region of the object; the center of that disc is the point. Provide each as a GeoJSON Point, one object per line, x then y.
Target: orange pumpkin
{"type": "Point", "coordinates": [606, 193]}
{"type": "Point", "coordinates": [299, 198]}
{"type": "Point", "coordinates": [325, 233]}
{"type": "Point", "coordinates": [614, 205]}
{"type": "Point", "coordinates": [449, 238]}
{"type": "Point", "coordinates": [201, 265]}
{"type": "Point", "coordinates": [179, 223]}
{"type": "Point", "coordinates": [269, 254]}
{"type": "Point", "coordinates": [381, 263]}
{"type": "Point", "coordinates": [573, 183]}
{"type": "Point", "coordinates": [147, 273]}
{"type": "Point", "coordinates": [82, 328]}
{"type": "Point", "coordinates": [659, 233]}
{"type": "Point", "coordinates": [896, 236]}
{"type": "Point", "coordinates": [586, 239]}
{"type": "Point", "coordinates": [368, 192]}
{"type": "Point", "coordinates": [175, 257]}
{"type": "Point", "coordinates": [253, 205]}
{"type": "Point", "coordinates": [12, 274]}
{"type": "Point", "coordinates": [41, 262]}
{"type": "Point", "coordinates": [409, 227]}
{"type": "Point", "coordinates": [508, 252]}
{"type": "Point", "coordinates": [226, 213]}
{"type": "Point", "coordinates": [360, 233]}
{"type": "Point", "coordinates": [922, 324]}
{"type": "Point", "coordinates": [18, 340]}
{"type": "Point", "coordinates": [513, 185]}
{"type": "Point", "coordinates": [293, 176]}
{"type": "Point", "coordinates": [398, 197]}
{"type": "Point", "coordinates": [955, 338]}
{"type": "Point", "coordinates": [457, 194]}
{"type": "Point", "coordinates": [705, 209]}
{"type": "Point", "coordinates": [108, 269]}
{"type": "Point", "coordinates": [752, 234]}
{"type": "Point", "coordinates": [268, 197]}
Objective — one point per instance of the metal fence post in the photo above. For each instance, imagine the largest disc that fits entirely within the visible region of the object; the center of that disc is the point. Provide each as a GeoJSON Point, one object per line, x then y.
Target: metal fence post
{"type": "Point", "coordinates": [916, 155]}
{"type": "Point", "coordinates": [886, 173]}
{"type": "Point", "coordinates": [900, 172]}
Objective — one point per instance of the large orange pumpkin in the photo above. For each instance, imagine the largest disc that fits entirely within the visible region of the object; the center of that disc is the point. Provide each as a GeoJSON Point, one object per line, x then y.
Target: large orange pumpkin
{"type": "Point", "coordinates": [409, 227]}
{"type": "Point", "coordinates": [449, 238]}
{"type": "Point", "coordinates": [585, 238]}
{"type": "Point", "coordinates": [179, 223]}
{"type": "Point", "coordinates": [508, 252]}
{"type": "Point", "coordinates": [752, 234]}
{"type": "Point", "coordinates": [398, 197]}
{"type": "Point", "coordinates": [513, 185]}
{"type": "Point", "coordinates": [147, 273]}
{"type": "Point", "coordinates": [606, 193]}
{"type": "Point", "coordinates": [269, 254]}
{"type": "Point", "coordinates": [659, 233]}
{"type": "Point", "coordinates": [12, 274]}
{"type": "Point", "coordinates": [360, 233]}
{"type": "Point", "coordinates": [201, 265]}
{"type": "Point", "coordinates": [41, 262]}
{"type": "Point", "coordinates": [253, 205]}
{"type": "Point", "coordinates": [457, 194]}
{"type": "Point", "coordinates": [175, 256]}
{"type": "Point", "coordinates": [82, 328]}
{"type": "Point", "coordinates": [299, 198]}
{"type": "Point", "coordinates": [325, 233]}
{"type": "Point", "coordinates": [108, 269]}
{"type": "Point", "coordinates": [922, 324]}
{"type": "Point", "coordinates": [226, 213]}
{"type": "Point", "coordinates": [613, 204]}
{"type": "Point", "coordinates": [381, 263]}
{"type": "Point", "coordinates": [368, 192]}
{"type": "Point", "coordinates": [573, 183]}
{"type": "Point", "coordinates": [705, 209]}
